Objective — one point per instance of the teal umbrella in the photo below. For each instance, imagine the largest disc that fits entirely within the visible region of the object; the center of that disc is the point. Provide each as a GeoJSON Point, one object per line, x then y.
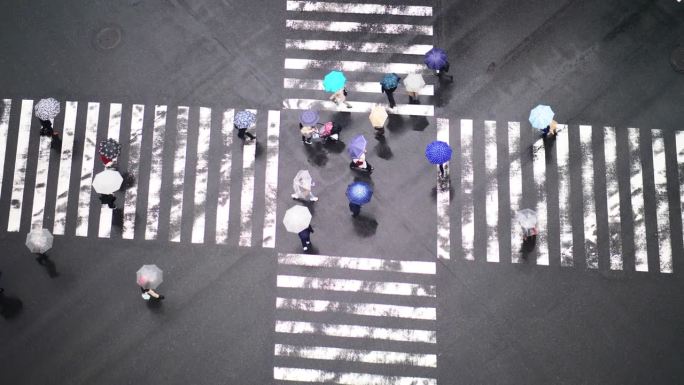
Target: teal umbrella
{"type": "Point", "coordinates": [334, 81]}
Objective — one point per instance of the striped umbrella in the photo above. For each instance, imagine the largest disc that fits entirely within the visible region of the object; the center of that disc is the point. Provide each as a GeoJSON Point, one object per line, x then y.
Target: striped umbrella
{"type": "Point", "coordinates": [47, 109]}
{"type": "Point", "coordinates": [244, 119]}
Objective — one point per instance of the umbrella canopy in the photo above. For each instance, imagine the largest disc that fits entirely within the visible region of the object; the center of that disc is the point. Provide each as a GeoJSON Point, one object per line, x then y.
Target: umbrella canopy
{"type": "Point", "coordinates": [359, 193]}
{"type": "Point", "coordinates": [149, 276]}
{"type": "Point", "coordinates": [378, 116]}
{"type": "Point", "coordinates": [390, 81]}
{"type": "Point", "coordinates": [109, 148]}
{"type": "Point", "coordinates": [527, 218]}
{"type": "Point", "coordinates": [435, 59]}
{"type": "Point", "coordinates": [39, 240]}
{"type": "Point", "coordinates": [302, 182]}
{"type": "Point", "coordinates": [414, 82]}
{"type": "Point", "coordinates": [326, 130]}
{"type": "Point", "coordinates": [107, 181]}
{"type": "Point", "coordinates": [541, 116]}
{"type": "Point", "coordinates": [357, 147]}
{"type": "Point", "coordinates": [438, 152]}
{"type": "Point", "coordinates": [334, 81]}
{"type": "Point", "coordinates": [296, 219]}
{"type": "Point", "coordinates": [244, 119]}
{"type": "Point", "coordinates": [46, 109]}
{"type": "Point", "coordinates": [308, 118]}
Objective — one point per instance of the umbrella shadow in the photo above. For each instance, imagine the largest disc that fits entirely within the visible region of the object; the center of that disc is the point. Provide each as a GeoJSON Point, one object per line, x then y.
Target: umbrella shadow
{"type": "Point", "coordinates": [365, 226]}
{"type": "Point", "coordinates": [117, 218]}
{"type": "Point", "coordinates": [129, 181]}
{"type": "Point", "coordinates": [49, 265]}
{"type": "Point", "coordinates": [334, 146]}
{"type": "Point", "coordinates": [419, 123]}
{"type": "Point", "coordinates": [343, 118]}
{"type": "Point", "coordinates": [316, 155]}
{"type": "Point", "coordinates": [395, 124]}
{"type": "Point", "coordinates": [445, 92]}
{"type": "Point", "coordinates": [382, 149]}
{"type": "Point", "coordinates": [258, 150]}
{"type": "Point", "coordinates": [528, 246]}
{"type": "Point", "coordinates": [442, 187]}
{"type": "Point", "coordinates": [10, 307]}
{"type": "Point", "coordinates": [155, 305]}
{"type": "Point", "coordinates": [56, 143]}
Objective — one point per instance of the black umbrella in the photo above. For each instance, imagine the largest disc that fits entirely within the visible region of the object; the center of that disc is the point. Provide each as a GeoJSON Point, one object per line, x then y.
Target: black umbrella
{"type": "Point", "coordinates": [109, 148]}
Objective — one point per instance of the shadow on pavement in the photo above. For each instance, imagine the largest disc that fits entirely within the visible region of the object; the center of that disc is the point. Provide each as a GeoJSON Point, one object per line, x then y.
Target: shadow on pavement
{"type": "Point", "coordinates": [49, 265]}
{"type": "Point", "coordinates": [10, 307]}
{"type": "Point", "coordinates": [365, 226]}
{"type": "Point", "coordinates": [382, 149]}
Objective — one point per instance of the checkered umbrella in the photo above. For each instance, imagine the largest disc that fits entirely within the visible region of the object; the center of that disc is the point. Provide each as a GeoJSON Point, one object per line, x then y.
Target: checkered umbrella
{"type": "Point", "coordinates": [47, 109]}
{"type": "Point", "coordinates": [438, 152]}
{"type": "Point", "coordinates": [244, 119]}
{"type": "Point", "coordinates": [109, 148]}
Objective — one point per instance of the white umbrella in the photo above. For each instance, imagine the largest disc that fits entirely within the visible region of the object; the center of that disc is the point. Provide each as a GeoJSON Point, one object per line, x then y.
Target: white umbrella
{"type": "Point", "coordinates": [107, 181]}
{"type": "Point", "coordinates": [39, 240]}
{"type": "Point", "coordinates": [46, 109]}
{"type": "Point", "coordinates": [297, 218]}
{"type": "Point", "coordinates": [302, 183]}
{"type": "Point", "coordinates": [414, 82]}
{"type": "Point", "coordinates": [378, 116]}
{"type": "Point", "coordinates": [527, 219]}
{"type": "Point", "coordinates": [149, 276]}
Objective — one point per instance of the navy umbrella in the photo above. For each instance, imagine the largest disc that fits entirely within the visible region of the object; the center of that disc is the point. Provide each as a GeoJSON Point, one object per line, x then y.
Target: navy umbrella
{"type": "Point", "coordinates": [109, 148]}
{"type": "Point", "coordinates": [438, 152]}
{"type": "Point", "coordinates": [390, 81]}
{"type": "Point", "coordinates": [436, 58]}
{"type": "Point", "coordinates": [359, 193]}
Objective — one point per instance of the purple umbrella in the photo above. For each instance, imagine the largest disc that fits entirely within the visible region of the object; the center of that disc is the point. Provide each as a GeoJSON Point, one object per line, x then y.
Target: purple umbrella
{"type": "Point", "coordinates": [308, 117]}
{"type": "Point", "coordinates": [435, 59]}
{"type": "Point", "coordinates": [357, 147]}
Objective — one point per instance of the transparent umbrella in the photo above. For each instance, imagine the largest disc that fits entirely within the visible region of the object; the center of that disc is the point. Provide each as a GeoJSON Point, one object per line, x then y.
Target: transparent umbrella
{"type": "Point", "coordinates": [302, 183]}
{"type": "Point", "coordinates": [527, 219]}
{"type": "Point", "coordinates": [296, 219]}
{"type": "Point", "coordinates": [39, 240]}
{"type": "Point", "coordinates": [149, 276]}
{"type": "Point", "coordinates": [414, 82]}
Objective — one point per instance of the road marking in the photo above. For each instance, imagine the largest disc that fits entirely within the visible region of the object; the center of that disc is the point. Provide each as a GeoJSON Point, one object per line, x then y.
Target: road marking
{"type": "Point", "coordinates": [133, 169]}
{"type": "Point", "coordinates": [636, 183]}
{"type": "Point", "coordinates": [590, 245]}
{"type": "Point", "coordinates": [65, 168]}
{"type": "Point", "coordinates": [113, 129]}
{"type": "Point", "coordinates": [354, 263]}
{"type": "Point", "coordinates": [564, 213]}
{"type": "Point", "coordinates": [156, 164]}
{"type": "Point", "coordinates": [353, 66]}
{"type": "Point", "coordinates": [515, 184]}
{"type": "Point", "coordinates": [356, 355]}
{"type": "Point", "coordinates": [86, 189]}
{"type": "Point", "coordinates": [443, 204]}
{"type": "Point", "coordinates": [247, 196]}
{"type": "Point", "coordinates": [338, 284]}
{"type": "Point", "coordinates": [41, 182]}
{"type": "Point", "coordinates": [363, 309]}
{"type": "Point", "coordinates": [400, 109]}
{"type": "Point", "coordinates": [662, 202]}
{"type": "Point", "coordinates": [271, 182]}
{"type": "Point", "coordinates": [492, 195]}
{"type": "Point", "coordinates": [467, 226]}
{"type": "Point", "coordinates": [349, 26]}
{"type": "Point", "coordinates": [680, 162]}
{"type": "Point", "coordinates": [366, 47]}
{"type": "Point", "coordinates": [223, 206]}
{"type": "Point", "coordinates": [201, 175]}
{"type": "Point", "coordinates": [178, 174]}
{"type": "Point", "coordinates": [14, 221]}
{"type": "Point", "coordinates": [539, 167]}
{"type": "Point", "coordinates": [363, 8]}
{"type": "Point", "coordinates": [320, 376]}
{"type": "Point", "coordinates": [356, 331]}
{"type": "Point", "coordinates": [367, 87]}
{"type": "Point", "coordinates": [613, 199]}
{"type": "Point", "coordinates": [4, 130]}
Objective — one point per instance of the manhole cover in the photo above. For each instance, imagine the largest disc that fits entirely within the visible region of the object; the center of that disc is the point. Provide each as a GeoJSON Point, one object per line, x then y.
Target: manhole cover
{"type": "Point", "coordinates": [677, 59]}
{"type": "Point", "coordinates": [108, 37]}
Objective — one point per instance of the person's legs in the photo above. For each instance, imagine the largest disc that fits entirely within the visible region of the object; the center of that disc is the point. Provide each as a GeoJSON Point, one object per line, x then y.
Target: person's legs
{"type": "Point", "coordinates": [241, 133]}
{"type": "Point", "coordinates": [390, 99]}
{"type": "Point", "coordinates": [250, 135]}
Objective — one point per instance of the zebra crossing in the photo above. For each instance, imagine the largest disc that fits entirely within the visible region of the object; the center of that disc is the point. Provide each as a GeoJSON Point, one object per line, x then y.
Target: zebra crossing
{"type": "Point", "coordinates": [370, 31]}
{"type": "Point", "coordinates": [78, 212]}
{"type": "Point", "coordinates": [348, 320]}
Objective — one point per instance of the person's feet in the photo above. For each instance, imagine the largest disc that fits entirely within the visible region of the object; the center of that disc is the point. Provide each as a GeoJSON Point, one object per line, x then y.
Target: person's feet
{"type": "Point", "coordinates": [313, 199]}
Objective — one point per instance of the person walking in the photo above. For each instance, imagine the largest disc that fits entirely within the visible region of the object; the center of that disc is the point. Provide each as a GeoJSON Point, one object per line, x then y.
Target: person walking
{"type": "Point", "coordinates": [355, 209]}
{"type": "Point", "coordinates": [436, 59]}
{"type": "Point", "coordinates": [242, 132]}
{"type": "Point", "coordinates": [148, 294]}
{"type": "Point", "coordinates": [361, 164]}
{"type": "Point", "coordinates": [305, 237]}
{"type": "Point", "coordinates": [302, 184]}
{"type": "Point", "coordinates": [46, 110]}
{"type": "Point", "coordinates": [442, 72]}
{"type": "Point", "coordinates": [340, 96]}
{"type": "Point", "coordinates": [108, 199]}
{"type": "Point", "coordinates": [388, 85]}
{"type": "Point", "coordinates": [2, 290]}
{"type": "Point", "coordinates": [307, 133]}
{"type": "Point", "coordinates": [242, 121]}
{"type": "Point", "coordinates": [550, 130]}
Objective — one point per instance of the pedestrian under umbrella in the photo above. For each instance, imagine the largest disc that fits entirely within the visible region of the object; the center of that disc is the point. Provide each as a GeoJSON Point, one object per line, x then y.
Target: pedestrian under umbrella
{"type": "Point", "coordinates": [303, 186]}
{"type": "Point", "coordinates": [107, 181]}
{"type": "Point", "coordinates": [439, 153]}
{"type": "Point", "coordinates": [436, 59]}
{"type": "Point", "coordinates": [527, 219]}
{"type": "Point", "coordinates": [378, 117]}
{"type": "Point", "coordinates": [358, 193]}
{"type": "Point", "coordinates": [149, 277]}
{"type": "Point", "coordinates": [329, 131]}
{"type": "Point", "coordinates": [414, 83]}
{"type": "Point", "coordinates": [297, 220]}
{"type": "Point", "coordinates": [39, 241]}
{"type": "Point", "coordinates": [242, 121]}
{"type": "Point", "coordinates": [357, 151]}
{"type": "Point", "coordinates": [388, 85]}
{"type": "Point", "coordinates": [109, 150]}
{"type": "Point", "coordinates": [46, 110]}
{"type": "Point", "coordinates": [541, 118]}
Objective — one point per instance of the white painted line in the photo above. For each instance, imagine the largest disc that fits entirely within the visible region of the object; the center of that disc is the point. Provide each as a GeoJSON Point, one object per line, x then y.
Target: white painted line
{"type": "Point", "coordinates": [680, 164]}
{"type": "Point", "coordinates": [636, 183]}
{"type": "Point", "coordinates": [85, 191]}
{"type": "Point", "coordinates": [41, 182]}
{"type": "Point", "coordinates": [133, 168]}
{"type": "Point", "coordinates": [153, 198]}
{"type": "Point", "coordinates": [349, 26]}
{"type": "Point", "coordinates": [113, 129]}
{"type": "Point", "coordinates": [356, 331]}
{"type": "Point", "coordinates": [443, 203]}
{"type": "Point", "coordinates": [539, 167]}
{"type": "Point", "coordinates": [364, 309]}
{"type": "Point", "coordinates": [492, 195]}
{"type": "Point", "coordinates": [564, 213]}
{"type": "Point", "coordinates": [662, 202]}
{"type": "Point", "coordinates": [4, 130]}
{"type": "Point", "coordinates": [590, 250]}
{"type": "Point", "coordinates": [14, 221]}
{"type": "Point", "coordinates": [467, 225]}
{"type": "Point", "coordinates": [223, 206]}
{"type": "Point", "coordinates": [354, 285]}
{"type": "Point", "coordinates": [201, 174]}
{"type": "Point", "coordinates": [353, 66]}
{"type": "Point", "coordinates": [65, 168]}
{"type": "Point", "coordinates": [354, 263]}
{"type": "Point", "coordinates": [362, 8]}
{"type": "Point", "coordinates": [400, 109]}
{"type": "Point", "coordinates": [348, 378]}
{"type": "Point", "coordinates": [613, 199]}
{"type": "Point", "coordinates": [355, 355]}
{"type": "Point", "coordinates": [271, 182]}
{"type": "Point", "coordinates": [367, 87]}
{"type": "Point", "coordinates": [178, 174]}
{"type": "Point", "coordinates": [247, 195]}
{"type": "Point", "coordinates": [366, 47]}
{"type": "Point", "coordinates": [515, 184]}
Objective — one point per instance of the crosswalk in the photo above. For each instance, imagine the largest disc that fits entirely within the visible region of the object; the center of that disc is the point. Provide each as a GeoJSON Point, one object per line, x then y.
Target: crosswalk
{"type": "Point", "coordinates": [388, 38]}
{"type": "Point", "coordinates": [348, 320]}
{"type": "Point", "coordinates": [148, 135]}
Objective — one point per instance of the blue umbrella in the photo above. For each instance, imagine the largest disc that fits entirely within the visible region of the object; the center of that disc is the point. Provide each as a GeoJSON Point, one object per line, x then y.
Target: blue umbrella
{"type": "Point", "coordinates": [435, 58]}
{"type": "Point", "coordinates": [438, 152]}
{"type": "Point", "coordinates": [334, 81]}
{"type": "Point", "coordinates": [308, 117]}
{"type": "Point", "coordinates": [541, 116]}
{"type": "Point", "coordinates": [357, 147]}
{"type": "Point", "coordinates": [244, 119]}
{"type": "Point", "coordinates": [390, 81]}
{"type": "Point", "coordinates": [359, 193]}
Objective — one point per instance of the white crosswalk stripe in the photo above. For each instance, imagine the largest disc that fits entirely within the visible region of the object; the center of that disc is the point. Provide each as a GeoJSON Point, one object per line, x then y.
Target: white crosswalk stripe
{"type": "Point", "coordinates": [66, 157]}
{"type": "Point", "coordinates": [4, 131]}
{"type": "Point", "coordinates": [113, 131]}
{"type": "Point", "coordinates": [153, 195]}
{"type": "Point", "coordinates": [613, 199]}
{"type": "Point", "coordinates": [564, 214]}
{"type": "Point", "coordinates": [87, 164]}
{"type": "Point", "coordinates": [539, 167]}
{"type": "Point", "coordinates": [14, 221]}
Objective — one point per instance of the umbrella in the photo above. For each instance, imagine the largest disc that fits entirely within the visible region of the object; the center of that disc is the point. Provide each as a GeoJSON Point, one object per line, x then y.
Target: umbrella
{"type": "Point", "coordinates": [390, 81]}
{"type": "Point", "coordinates": [435, 59]}
{"type": "Point", "coordinates": [302, 183]}
{"type": "Point", "coordinates": [326, 130]}
{"type": "Point", "coordinates": [308, 117]}
{"type": "Point", "coordinates": [414, 82]}
{"type": "Point", "coordinates": [297, 218]}
{"type": "Point", "coordinates": [107, 181]}
{"type": "Point", "coordinates": [39, 240]}
{"type": "Point", "coordinates": [541, 116]}
{"type": "Point", "coordinates": [149, 276]}
{"type": "Point", "coordinates": [378, 116]}
{"type": "Point", "coordinates": [357, 147]}
{"type": "Point", "coordinates": [46, 109]}
{"type": "Point", "coordinates": [244, 119]}
{"type": "Point", "coordinates": [438, 152]}
{"type": "Point", "coordinates": [109, 148]}
{"type": "Point", "coordinates": [527, 218]}
{"type": "Point", "coordinates": [334, 81]}
{"type": "Point", "coordinates": [359, 193]}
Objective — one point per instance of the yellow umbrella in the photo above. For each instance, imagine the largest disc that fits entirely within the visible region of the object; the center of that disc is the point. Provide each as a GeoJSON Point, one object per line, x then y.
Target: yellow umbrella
{"type": "Point", "coordinates": [378, 116]}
